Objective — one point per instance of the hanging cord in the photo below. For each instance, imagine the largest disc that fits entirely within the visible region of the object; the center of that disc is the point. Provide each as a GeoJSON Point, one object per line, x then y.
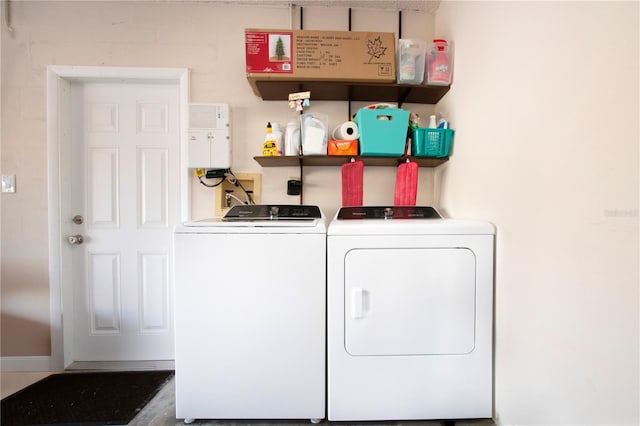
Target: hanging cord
{"type": "Point", "coordinates": [235, 181]}
{"type": "Point", "coordinates": [350, 89]}
{"type": "Point", "coordinates": [7, 16]}
{"type": "Point", "coordinates": [231, 178]}
{"type": "Point", "coordinates": [212, 185]}
{"type": "Point", "coordinates": [229, 195]}
{"type": "Point", "coordinates": [291, 10]}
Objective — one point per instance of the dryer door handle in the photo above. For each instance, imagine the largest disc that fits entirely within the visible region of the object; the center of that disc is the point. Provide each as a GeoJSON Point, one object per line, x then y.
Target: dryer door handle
{"type": "Point", "coordinates": [357, 302]}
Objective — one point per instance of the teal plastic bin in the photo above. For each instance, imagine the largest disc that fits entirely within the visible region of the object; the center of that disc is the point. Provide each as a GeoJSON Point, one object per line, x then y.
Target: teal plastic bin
{"type": "Point", "coordinates": [431, 142]}
{"type": "Point", "coordinates": [383, 132]}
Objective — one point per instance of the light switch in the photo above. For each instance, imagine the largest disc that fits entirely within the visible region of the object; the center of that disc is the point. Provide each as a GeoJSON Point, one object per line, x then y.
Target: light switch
{"type": "Point", "coordinates": [8, 183]}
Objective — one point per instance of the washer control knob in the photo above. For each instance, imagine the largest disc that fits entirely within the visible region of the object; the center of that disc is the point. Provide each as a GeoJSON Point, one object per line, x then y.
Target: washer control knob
{"type": "Point", "coordinates": [388, 213]}
{"type": "Point", "coordinates": [273, 212]}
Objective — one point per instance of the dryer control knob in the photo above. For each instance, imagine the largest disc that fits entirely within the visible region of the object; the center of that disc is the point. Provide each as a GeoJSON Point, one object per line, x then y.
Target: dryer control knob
{"type": "Point", "coordinates": [388, 213]}
{"type": "Point", "coordinates": [273, 212]}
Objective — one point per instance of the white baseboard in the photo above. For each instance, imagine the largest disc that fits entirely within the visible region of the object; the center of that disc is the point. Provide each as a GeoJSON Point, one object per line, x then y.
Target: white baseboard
{"type": "Point", "coordinates": [25, 363]}
{"type": "Point", "coordinates": [122, 365]}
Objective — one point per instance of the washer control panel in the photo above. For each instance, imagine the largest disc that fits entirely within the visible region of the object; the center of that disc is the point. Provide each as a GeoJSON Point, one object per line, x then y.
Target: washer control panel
{"type": "Point", "coordinates": [272, 212]}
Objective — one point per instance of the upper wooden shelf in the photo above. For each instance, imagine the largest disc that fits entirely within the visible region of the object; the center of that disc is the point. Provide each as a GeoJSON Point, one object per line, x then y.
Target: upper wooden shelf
{"type": "Point", "coordinates": [338, 160]}
{"type": "Point", "coordinates": [272, 90]}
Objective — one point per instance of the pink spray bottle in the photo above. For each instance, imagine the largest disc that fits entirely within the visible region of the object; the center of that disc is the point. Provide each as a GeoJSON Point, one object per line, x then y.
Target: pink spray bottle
{"type": "Point", "coordinates": [439, 65]}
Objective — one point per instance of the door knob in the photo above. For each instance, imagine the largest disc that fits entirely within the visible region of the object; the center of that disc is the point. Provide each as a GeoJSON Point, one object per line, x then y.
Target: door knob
{"type": "Point", "coordinates": [75, 239]}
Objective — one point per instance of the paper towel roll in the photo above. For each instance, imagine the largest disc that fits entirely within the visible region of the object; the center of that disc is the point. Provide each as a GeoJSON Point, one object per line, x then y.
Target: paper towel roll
{"type": "Point", "coordinates": [347, 131]}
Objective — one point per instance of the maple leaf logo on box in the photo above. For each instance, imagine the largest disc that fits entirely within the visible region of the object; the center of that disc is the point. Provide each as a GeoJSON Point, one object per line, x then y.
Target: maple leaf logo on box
{"type": "Point", "coordinates": [375, 48]}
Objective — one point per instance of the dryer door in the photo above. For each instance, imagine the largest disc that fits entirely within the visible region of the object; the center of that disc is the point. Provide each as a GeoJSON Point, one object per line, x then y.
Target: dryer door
{"type": "Point", "coordinates": [410, 301]}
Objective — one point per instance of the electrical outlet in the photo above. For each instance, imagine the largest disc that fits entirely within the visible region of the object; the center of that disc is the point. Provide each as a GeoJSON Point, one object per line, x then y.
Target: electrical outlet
{"type": "Point", "coordinates": [294, 186]}
{"type": "Point", "coordinates": [227, 194]}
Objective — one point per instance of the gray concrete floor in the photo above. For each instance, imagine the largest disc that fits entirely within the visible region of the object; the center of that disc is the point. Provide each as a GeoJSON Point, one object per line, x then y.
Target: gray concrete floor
{"type": "Point", "coordinates": [161, 411]}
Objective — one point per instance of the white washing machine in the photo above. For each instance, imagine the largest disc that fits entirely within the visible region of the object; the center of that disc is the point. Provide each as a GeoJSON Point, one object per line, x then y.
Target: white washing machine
{"type": "Point", "coordinates": [410, 308]}
{"type": "Point", "coordinates": [250, 309]}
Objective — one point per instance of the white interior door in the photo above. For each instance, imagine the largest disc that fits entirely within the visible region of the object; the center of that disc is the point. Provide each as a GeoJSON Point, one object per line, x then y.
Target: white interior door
{"type": "Point", "coordinates": [124, 185]}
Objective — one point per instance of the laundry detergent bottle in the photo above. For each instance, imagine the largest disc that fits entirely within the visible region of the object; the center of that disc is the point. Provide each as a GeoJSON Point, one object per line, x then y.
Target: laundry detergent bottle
{"type": "Point", "coordinates": [439, 64]}
{"type": "Point", "coordinates": [270, 145]}
{"type": "Point", "coordinates": [292, 138]}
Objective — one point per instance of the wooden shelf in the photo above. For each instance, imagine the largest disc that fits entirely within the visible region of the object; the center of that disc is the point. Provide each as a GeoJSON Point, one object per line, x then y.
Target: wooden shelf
{"type": "Point", "coordinates": [338, 160]}
{"type": "Point", "coordinates": [272, 90]}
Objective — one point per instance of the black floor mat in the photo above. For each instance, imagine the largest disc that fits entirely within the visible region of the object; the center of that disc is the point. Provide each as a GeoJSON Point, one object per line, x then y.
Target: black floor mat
{"type": "Point", "coordinates": [105, 398]}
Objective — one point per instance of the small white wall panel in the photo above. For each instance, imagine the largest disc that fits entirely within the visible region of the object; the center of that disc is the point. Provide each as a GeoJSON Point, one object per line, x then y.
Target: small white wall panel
{"type": "Point", "coordinates": [154, 292]}
{"type": "Point", "coordinates": [103, 118]}
{"type": "Point", "coordinates": [103, 187]}
{"type": "Point", "coordinates": [199, 149]}
{"type": "Point", "coordinates": [153, 187]}
{"type": "Point", "coordinates": [152, 117]}
{"type": "Point", "coordinates": [104, 292]}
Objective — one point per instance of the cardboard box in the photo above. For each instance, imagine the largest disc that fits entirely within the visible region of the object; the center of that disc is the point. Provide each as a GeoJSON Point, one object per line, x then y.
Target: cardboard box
{"type": "Point", "coordinates": [298, 55]}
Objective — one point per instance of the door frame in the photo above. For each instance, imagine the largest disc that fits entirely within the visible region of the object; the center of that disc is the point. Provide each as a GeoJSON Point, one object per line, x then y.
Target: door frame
{"type": "Point", "coordinates": [59, 80]}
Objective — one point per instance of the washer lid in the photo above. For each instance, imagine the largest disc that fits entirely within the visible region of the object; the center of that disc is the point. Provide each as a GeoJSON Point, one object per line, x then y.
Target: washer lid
{"type": "Point", "coordinates": [256, 219]}
{"type": "Point", "coordinates": [409, 226]}
{"type": "Point", "coordinates": [218, 226]}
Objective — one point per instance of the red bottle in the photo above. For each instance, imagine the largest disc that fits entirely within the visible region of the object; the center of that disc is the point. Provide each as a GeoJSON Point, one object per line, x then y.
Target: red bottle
{"type": "Point", "coordinates": [439, 65]}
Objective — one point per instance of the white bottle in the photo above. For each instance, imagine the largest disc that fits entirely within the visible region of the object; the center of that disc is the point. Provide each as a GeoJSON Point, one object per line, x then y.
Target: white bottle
{"type": "Point", "coordinates": [277, 135]}
{"type": "Point", "coordinates": [432, 122]}
{"type": "Point", "coordinates": [292, 138]}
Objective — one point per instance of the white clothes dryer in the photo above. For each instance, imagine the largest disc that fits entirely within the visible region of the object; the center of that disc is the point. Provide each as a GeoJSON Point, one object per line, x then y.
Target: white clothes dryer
{"type": "Point", "coordinates": [410, 308]}
{"type": "Point", "coordinates": [250, 309]}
